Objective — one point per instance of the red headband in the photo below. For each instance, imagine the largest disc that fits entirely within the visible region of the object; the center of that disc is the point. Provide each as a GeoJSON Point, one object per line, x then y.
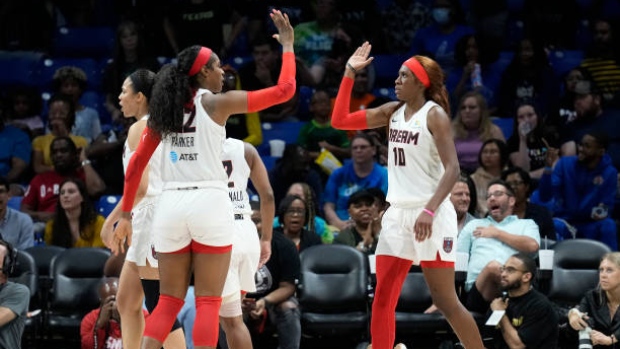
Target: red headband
{"type": "Point", "coordinates": [201, 59]}
{"type": "Point", "coordinates": [418, 70]}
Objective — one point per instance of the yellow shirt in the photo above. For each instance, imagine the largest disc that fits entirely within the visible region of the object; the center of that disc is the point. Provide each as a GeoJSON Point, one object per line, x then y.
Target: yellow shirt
{"type": "Point", "coordinates": [43, 143]}
{"type": "Point", "coordinates": [94, 229]}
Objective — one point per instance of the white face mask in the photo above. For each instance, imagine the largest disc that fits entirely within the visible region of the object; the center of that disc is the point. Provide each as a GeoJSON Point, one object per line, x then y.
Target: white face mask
{"type": "Point", "coordinates": [441, 15]}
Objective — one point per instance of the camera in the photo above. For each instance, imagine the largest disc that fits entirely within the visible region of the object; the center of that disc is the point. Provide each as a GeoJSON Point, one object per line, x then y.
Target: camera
{"type": "Point", "coordinates": [584, 338]}
{"type": "Point", "coordinates": [600, 211]}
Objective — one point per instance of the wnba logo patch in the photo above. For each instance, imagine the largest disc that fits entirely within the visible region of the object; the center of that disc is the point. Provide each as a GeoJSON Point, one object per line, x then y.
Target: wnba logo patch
{"type": "Point", "coordinates": [448, 243]}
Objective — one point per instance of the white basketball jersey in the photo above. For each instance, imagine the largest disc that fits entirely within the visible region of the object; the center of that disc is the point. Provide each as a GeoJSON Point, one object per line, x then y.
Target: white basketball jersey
{"type": "Point", "coordinates": [193, 154]}
{"type": "Point", "coordinates": [414, 165]}
{"type": "Point", "coordinates": [155, 182]}
{"type": "Point", "coordinates": [233, 159]}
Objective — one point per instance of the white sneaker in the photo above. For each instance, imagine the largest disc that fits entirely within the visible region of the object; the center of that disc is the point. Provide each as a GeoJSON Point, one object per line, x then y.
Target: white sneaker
{"type": "Point", "coordinates": [400, 346]}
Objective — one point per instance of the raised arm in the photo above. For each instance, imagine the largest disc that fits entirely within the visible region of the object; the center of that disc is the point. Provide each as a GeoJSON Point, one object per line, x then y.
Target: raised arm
{"type": "Point", "coordinates": [363, 119]}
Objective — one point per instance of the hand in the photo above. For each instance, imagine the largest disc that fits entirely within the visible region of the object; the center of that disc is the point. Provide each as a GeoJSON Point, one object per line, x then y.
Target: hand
{"type": "Point", "coordinates": [577, 322]}
{"type": "Point", "coordinates": [599, 338]}
{"type": "Point", "coordinates": [499, 304]}
{"type": "Point", "coordinates": [524, 129]}
{"type": "Point", "coordinates": [265, 252]}
{"type": "Point", "coordinates": [122, 234]}
{"type": "Point", "coordinates": [106, 311]}
{"type": "Point", "coordinates": [552, 156]}
{"type": "Point", "coordinates": [359, 59]}
{"type": "Point", "coordinates": [285, 34]}
{"type": "Point", "coordinates": [485, 232]}
{"type": "Point", "coordinates": [324, 145]}
{"type": "Point", "coordinates": [423, 227]}
{"type": "Point", "coordinates": [468, 69]}
{"type": "Point", "coordinates": [259, 308]}
{"type": "Point", "coordinates": [107, 233]}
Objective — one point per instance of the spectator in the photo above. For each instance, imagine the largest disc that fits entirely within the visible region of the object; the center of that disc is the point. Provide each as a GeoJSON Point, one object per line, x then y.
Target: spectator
{"type": "Point", "coordinates": [14, 300]}
{"type": "Point", "coordinates": [438, 40]}
{"type": "Point", "coordinates": [361, 172]}
{"type": "Point", "coordinates": [24, 110]}
{"type": "Point", "coordinates": [316, 40]}
{"type": "Point", "coordinates": [315, 222]}
{"type": "Point", "coordinates": [472, 126]}
{"type": "Point", "coordinates": [101, 327]}
{"type": "Point", "coordinates": [592, 115]}
{"type": "Point", "coordinates": [363, 233]}
{"type": "Point", "coordinates": [400, 21]}
{"type": "Point", "coordinates": [598, 308]}
{"type": "Point", "coordinates": [292, 167]}
{"type": "Point", "coordinates": [263, 71]}
{"type": "Point", "coordinates": [528, 76]}
{"type": "Point", "coordinates": [473, 70]}
{"type": "Point", "coordinates": [461, 199]}
{"type": "Point", "coordinates": [275, 291]}
{"type": "Point", "coordinates": [530, 140]}
{"type": "Point", "coordinates": [72, 81]}
{"type": "Point", "coordinates": [15, 151]}
{"type": "Point", "coordinates": [565, 112]}
{"type": "Point", "coordinates": [60, 121]}
{"type": "Point", "coordinates": [530, 320]}
{"type": "Point", "coordinates": [15, 227]}
{"type": "Point", "coordinates": [246, 127]}
{"type": "Point", "coordinates": [293, 215]}
{"type": "Point", "coordinates": [521, 183]}
{"type": "Point", "coordinates": [601, 60]}
{"type": "Point", "coordinates": [490, 242]}
{"type": "Point", "coordinates": [318, 133]}
{"type": "Point", "coordinates": [186, 22]}
{"type": "Point", "coordinates": [492, 158]}
{"type": "Point", "coordinates": [583, 189]}
{"type": "Point", "coordinates": [75, 222]}
{"type": "Point", "coordinates": [42, 195]}
{"type": "Point", "coordinates": [130, 53]}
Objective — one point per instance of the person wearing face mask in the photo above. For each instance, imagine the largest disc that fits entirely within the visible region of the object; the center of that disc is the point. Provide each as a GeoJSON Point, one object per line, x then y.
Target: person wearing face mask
{"type": "Point", "coordinates": [439, 39]}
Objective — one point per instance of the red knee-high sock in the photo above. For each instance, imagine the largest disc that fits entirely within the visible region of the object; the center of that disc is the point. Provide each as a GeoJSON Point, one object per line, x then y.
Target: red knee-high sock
{"type": "Point", "coordinates": [159, 323]}
{"type": "Point", "coordinates": [206, 324]}
{"type": "Point", "coordinates": [391, 273]}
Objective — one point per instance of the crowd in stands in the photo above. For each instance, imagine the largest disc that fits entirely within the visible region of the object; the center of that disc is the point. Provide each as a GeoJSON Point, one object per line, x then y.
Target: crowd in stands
{"type": "Point", "coordinates": [534, 89]}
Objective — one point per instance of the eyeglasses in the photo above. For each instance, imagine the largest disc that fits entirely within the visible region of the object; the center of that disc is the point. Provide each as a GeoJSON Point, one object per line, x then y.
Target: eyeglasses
{"type": "Point", "coordinates": [294, 211]}
{"type": "Point", "coordinates": [497, 194]}
{"type": "Point", "coordinates": [511, 270]}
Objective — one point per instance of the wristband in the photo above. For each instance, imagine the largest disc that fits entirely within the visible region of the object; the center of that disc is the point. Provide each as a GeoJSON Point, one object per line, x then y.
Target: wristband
{"type": "Point", "coordinates": [429, 212]}
{"type": "Point", "coordinates": [351, 67]}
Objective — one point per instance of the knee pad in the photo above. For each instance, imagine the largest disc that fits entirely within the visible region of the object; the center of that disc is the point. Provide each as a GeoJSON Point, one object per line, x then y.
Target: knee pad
{"type": "Point", "coordinates": [231, 306]}
{"type": "Point", "coordinates": [207, 322]}
{"type": "Point", "coordinates": [160, 322]}
{"type": "Point", "coordinates": [151, 293]}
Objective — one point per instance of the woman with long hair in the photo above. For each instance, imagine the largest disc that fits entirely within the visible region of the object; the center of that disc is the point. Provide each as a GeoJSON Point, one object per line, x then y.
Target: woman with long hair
{"type": "Point", "coordinates": [75, 223]}
{"type": "Point", "coordinates": [194, 215]}
{"type": "Point", "coordinates": [420, 224]}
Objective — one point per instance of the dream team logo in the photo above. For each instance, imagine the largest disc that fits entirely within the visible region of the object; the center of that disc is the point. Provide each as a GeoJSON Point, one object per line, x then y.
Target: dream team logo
{"type": "Point", "coordinates": [174, 157]}
{"type": "Point", "coordinates": [448, 243]}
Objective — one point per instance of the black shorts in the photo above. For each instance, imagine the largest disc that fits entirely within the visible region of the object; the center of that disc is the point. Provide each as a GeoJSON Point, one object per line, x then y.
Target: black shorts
{"type": "Point", "coordinates": [475, 302]}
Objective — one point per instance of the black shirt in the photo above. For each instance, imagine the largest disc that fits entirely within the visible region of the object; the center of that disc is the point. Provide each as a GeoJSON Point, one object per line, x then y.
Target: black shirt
{"type": "Point", "coordinates": [283, 265]}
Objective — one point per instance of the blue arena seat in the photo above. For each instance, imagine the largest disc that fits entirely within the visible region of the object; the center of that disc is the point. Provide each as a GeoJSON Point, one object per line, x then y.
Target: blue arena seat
{"type": "Point", "coordinates": [386, 69]}
{"type": "Point", "coordinates": [90, 66]}
{"type": "Point", "coordinates": [93, 42]}
{"type": "Point", "coordinates": [15, 202]}
{"type": "Point", "coordinates": [106, 204]}
{"type": "Point", "coordinates": [288, 131]}
{"type": "Point", "coordinates": [269, 161]}
{"type": "Point", "coordinates": [19, 68]}
{"type": "Point", "coordinates": [505, 124]}
{"type": "Point", "coordinates": [387, 92]}
{"type": "Point", "coordinates": [562, 61]}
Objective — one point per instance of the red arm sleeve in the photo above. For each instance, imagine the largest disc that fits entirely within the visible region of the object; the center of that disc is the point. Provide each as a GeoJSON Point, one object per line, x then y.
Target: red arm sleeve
{"type": "Point", "coordinates": [148, 143]}
{"type": "Point", "coordinates": [341, 118]}
{"type": "Point", "coordinates": [280, 93]}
